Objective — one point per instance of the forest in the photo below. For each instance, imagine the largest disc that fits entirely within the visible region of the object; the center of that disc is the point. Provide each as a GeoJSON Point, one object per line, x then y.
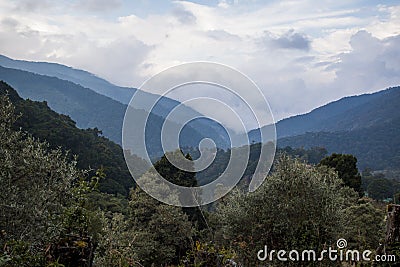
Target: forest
{"type": "Point", "coordinates": [68, 199]}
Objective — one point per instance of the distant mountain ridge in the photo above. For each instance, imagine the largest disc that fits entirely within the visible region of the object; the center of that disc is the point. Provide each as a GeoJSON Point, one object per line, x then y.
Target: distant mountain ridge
{"type": "Point", "coordinates": [367, 126]}
{"type": "Point", "coordinates": [335, 116]}
{"type": "Point", "coordinates": [90, 109]}
{"type": "Point", "coordinates": [123, 95]}
{"type": "Point", "coordinates": [364, 125]}
{"type": "Point", "coordinates": [80, 77]}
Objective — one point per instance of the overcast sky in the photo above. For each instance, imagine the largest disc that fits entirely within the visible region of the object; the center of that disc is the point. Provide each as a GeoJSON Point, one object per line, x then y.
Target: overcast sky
{"type": "Point", "coordinates": [302, 54]}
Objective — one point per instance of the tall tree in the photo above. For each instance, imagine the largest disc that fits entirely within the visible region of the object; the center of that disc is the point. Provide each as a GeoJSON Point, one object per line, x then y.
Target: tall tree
{"type": "Point", "coordinates": [346, 167]}
{"type": "Point", "coordinates": [162, 233]}
{"type": "Point", "coordinates": [181, 177]}
{"type": "Point", "coordinates": [174, 174]}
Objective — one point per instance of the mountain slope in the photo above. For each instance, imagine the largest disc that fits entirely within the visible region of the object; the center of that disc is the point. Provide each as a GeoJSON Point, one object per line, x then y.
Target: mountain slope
{"type": "Point", "coordinates": [89, 109]}
{"type": "Point", "coordinates": [93, 151]}
{"type": "Point", "coordinates": [366, 126]}
{"type": "Point", "coordinates": [84, 106]}
{"type": "Point", "coordinates": [348, 113]}
{"type": "Point", "coordinates": [81, 77]}
{"type": "Point", "coordinates": [376, 147]}
{"type": "Point", "coordinates": [121, 94]}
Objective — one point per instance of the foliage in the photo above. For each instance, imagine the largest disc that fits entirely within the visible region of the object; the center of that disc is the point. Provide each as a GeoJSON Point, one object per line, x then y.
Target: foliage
{"type": "Point", "coordinates": [298, 206]}
{"type": "Point", "coordinates": [365, 225]}
{"type": "Point", "coordinates": [379, 187]}
{"type": "Point", "coordinates": [162, 233]}
{"type": "Point", "coordinates": [207, 254]}
{"type": "Point", "coordinates": [183, 178]}
{"type": "Point", "coordinates": [36, 184]}
{"type": "Point", "coordinates": [172, 173]}
{"type": "Point", "coordinates": [312, 155]}
{"type": "Point", "coordinates": [346, 166]}
{"type": "Point", "coordinates": [53, 215]}
{"type": "Point", "coordinates": [93, 151]}
{"type": "Point", "coordinates": [43, 200]}
{"type": "Point", "coordinates": [115, 245]}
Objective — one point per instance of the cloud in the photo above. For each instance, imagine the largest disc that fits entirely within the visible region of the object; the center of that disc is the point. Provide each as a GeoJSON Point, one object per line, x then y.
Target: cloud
{"type": "Point", "coordinates": [222, 35]}
{"type": "Point", "coordinates": [184, 16]}
{"type": "Point", "coordinates": [300, 53]}
{"type": "Point", "coordinates": [32, 5]}
{"type": "Point", "coordinates": [9, 23]}
{"type": "Point", "coordinates": [288, 40]}
{"type": "Point", "coordinates": [117, 61]}
{"type": "Point", "coordinates": [92, 49]}
{"type": "Point", "coordinates": [372, 63]}
{"type": "Point", "coordinates": [98, 5]}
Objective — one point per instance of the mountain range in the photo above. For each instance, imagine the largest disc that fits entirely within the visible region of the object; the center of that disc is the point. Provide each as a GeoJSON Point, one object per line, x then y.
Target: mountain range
{"type": "Point", "coordinates": [364, 125]}
{"type": "Point", "coordinates": [94, 102]}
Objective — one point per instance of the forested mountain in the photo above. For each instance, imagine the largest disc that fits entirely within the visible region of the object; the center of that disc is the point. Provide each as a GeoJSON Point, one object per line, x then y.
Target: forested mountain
{"type": "Point", "coordinates": [93, 151]}
{"type": "Point", "coordinates": [92, 110]}
{"type": "Point", "coordinates": [366, 126]}
{"type": "Point", "coordinates": [348, 113]}
{"type": "Point", "coordinates": [376, 147]}
{"type": "Point", "coordinates": [121, 94]}
{"type": "Point", "coordinates": [81, 77]}
{"type": "Point", "coordinates": [84, 106]}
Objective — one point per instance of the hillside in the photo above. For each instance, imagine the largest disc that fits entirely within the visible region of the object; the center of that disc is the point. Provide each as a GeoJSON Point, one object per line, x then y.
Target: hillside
{"type": "Point", "coordinates": [349, 113]}
{"type": "Point", "coordinates": [366, 126]}
{"type": "Point", "coordinates": [121, 94]}
{"type": "Point", "coordinates": [81, 77]}
{"type": "Point", "coordinates": [93, 151]}
{"type": "Point", "coordinates": [376, 147]}
{"type": "Point", "coordinates": [83, 105]}
{"type": "Point", "coordinates": [92, 110]}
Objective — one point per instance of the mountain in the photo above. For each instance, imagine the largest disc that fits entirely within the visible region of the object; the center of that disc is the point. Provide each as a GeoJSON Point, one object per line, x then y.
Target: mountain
{"type": "Point", "coordinates": [92, 151]}
{"type": "Point", "coordinates": [90, 109]}
{"type": "Point", "coordinates": [81, 77]}
{"type": "Point", "coordinates": [347, 113]}
{"type": "Point", "coordinates": [121, 94]}
{"type": "Point", "coordinates": [376, 147]}
{"type": "Point", "coordinates": [365, 125]}
{"type": "Point", "coordinates": [84, 106]}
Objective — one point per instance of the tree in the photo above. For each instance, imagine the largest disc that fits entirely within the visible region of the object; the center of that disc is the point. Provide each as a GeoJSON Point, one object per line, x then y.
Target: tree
{"type": "Point", "coordinates": [35, 184]}
{"type": "Point", "coordinates": [297, 207]}
{"type": "Point", "coordinates": [42, 199]}
{"type": "Point", "coordinates": [60, 131]}
{"type": "Point", "coordinates": [115, 247]}
{"type": "Point", "coordinates": [346, 166]}
{"type": "Point", "coordinates": [161, 233]}
{"type": "Point", "coordinates": [173, 174]}
{"type": "Point", "coordinates": [381, 188]}
{"type": "Point", "coordinates": [365, 225]}
{"type": "Point", "coordinates": [181, 177]}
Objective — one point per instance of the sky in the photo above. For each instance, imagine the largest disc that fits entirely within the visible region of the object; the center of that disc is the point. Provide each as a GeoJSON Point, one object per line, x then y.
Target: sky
{"type": "Point", "coordinates": [301, 54]}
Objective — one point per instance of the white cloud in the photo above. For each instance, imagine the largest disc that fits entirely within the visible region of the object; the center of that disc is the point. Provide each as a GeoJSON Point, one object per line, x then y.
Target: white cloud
{"type": "Point", "coordinates": [301, 53]}
{"type": "Point", "coordinates": [288, 40]}
{"type": "Point", "coordinates": [98, 5]}
{"type": "Point", "coordinates": [371, 65]}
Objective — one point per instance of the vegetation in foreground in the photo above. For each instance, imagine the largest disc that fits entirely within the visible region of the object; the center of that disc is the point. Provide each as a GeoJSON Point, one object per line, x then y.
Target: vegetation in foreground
{"type": "Point", "coordinates": [52, 214]}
